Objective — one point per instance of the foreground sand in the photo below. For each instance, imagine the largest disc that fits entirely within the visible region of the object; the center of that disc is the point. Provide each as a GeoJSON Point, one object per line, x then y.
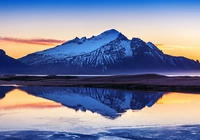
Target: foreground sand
{"type": "Point", "coordinates": [138, 82]}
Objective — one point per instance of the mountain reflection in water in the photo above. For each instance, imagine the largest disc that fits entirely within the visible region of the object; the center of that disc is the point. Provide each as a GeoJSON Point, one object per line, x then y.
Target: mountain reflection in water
{"type": "Point", "coordinates": [4, 90]}
{"type": "Point", "coordinates": [109, 103]}
{"type": "Point", "coordinates": [94, 110]}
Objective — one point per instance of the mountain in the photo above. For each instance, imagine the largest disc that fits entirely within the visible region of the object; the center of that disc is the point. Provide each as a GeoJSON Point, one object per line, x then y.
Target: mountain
{"type": "Point", "coordinates": [109, 52]}
{"type": "Point", "coordinates": [109, 103]}
{"type": "Point", "coordinates": [9, 64]}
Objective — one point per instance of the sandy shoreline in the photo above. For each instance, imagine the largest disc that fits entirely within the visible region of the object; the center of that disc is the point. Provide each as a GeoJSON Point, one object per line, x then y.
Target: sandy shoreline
{"type": "Point", "coordinates": [150, 82]}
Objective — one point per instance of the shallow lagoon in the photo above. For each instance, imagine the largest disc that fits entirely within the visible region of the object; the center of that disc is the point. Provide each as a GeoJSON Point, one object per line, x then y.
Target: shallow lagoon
{"type": "Point", "coordinates": [96, 113]}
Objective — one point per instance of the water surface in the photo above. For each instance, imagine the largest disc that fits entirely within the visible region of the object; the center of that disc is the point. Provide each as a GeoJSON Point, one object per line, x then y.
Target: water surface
{"type": "Point", "coordinates": [77, 112]}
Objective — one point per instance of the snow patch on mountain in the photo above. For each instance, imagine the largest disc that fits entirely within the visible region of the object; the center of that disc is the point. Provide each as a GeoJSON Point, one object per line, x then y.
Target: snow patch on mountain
{"type": "Point", "coordinates": [80, 102]}
{"type": "Point", "coordinates": [80, 46]}
{"type": "Point", "coordinates": [108, 52]}
{"type": "Point", "coordinates": [126, 45]}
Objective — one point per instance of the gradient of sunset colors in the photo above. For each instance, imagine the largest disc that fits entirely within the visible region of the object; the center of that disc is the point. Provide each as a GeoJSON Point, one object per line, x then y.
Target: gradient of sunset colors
{"type": "Point", "coordinates": [31, 25]}
{"type": "Point", "coordinates": [17, 99]}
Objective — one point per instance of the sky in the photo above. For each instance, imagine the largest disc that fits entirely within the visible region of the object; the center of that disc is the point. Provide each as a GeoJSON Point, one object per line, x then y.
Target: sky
{"type": "Point", "coordinates": [27, 26]}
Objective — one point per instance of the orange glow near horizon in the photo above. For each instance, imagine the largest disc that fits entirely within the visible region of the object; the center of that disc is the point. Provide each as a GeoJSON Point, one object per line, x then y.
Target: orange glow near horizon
{"type": "Point", "coordinates": [170, 23]}
{"type": "Point", "coordinates": [185, 51]}
{"type": "Point", "coordinates": [179, 98]}
{"type": "Point", "coordinates": [18, 50]}
{"type": "Point", "coordinates": [20, 99]}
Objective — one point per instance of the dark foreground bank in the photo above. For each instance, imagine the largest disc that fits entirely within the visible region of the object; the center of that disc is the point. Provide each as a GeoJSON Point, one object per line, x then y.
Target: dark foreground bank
{"type": "Point", "coordinates": [151, 82]}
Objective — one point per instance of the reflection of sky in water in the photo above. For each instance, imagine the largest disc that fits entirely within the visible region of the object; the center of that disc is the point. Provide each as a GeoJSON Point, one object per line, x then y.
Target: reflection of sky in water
{"type": "Point", "coordinates": [20, 111]}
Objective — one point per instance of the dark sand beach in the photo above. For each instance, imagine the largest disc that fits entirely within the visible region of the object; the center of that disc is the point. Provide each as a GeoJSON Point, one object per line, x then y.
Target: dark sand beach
{"type": "Point", "coordinates": [148, 82]}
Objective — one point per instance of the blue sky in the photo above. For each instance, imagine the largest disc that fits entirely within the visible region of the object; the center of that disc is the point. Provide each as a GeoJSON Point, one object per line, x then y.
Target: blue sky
{"type": "Point", "coordinates": [17, 4]}
{"type": "Point", "coordinates": [174, 23]}
{"type": "Point", "coordinates": [98, 6]}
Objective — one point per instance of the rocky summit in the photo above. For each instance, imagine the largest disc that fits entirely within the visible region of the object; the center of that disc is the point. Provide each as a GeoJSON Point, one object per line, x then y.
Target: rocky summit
{"type": "Point", "coordinates": [110, 52]}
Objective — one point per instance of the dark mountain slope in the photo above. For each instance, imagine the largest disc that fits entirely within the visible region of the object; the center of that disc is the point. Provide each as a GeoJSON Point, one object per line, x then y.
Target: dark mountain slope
{"type": "Point", "coordinates": [108, 53]}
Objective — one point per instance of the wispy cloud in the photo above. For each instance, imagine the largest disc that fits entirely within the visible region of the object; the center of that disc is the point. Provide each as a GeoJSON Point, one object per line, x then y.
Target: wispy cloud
{"type": "Point", "coordinates": [39, 41]}
{"type": "Point", "coordinates": [159, 44]}
{"type": "Point", "coordinates": [173, 47]}
{"type": "Point", "coordinates": [31, 105]}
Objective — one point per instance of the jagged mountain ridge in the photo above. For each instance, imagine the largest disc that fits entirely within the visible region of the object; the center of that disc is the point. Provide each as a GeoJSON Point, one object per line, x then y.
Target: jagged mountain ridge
{"type": "Point", "coordinates": [109, 103]}
{"type": "Point", "coordinates": [109, 52]}
{"type": "Point", "coordinates": [70, 48]}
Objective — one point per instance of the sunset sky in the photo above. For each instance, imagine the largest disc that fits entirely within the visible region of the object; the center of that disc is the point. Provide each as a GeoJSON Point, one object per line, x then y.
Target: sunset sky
{"type": "Point", "coordinates": [27, 26]}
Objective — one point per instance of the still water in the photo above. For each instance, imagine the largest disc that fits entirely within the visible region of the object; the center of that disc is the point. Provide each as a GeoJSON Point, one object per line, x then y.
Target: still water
{"type": "Point", "coordinates": [96, 113]}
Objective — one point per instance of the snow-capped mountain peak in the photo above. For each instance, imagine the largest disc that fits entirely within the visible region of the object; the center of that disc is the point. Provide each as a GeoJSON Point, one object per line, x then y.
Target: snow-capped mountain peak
{"type": "Point", "coordinates": [79, 46]}
{"type": "Point", "coordinates": [107, 52]}
{"type": "Point", "coordinates": [110, 32]}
